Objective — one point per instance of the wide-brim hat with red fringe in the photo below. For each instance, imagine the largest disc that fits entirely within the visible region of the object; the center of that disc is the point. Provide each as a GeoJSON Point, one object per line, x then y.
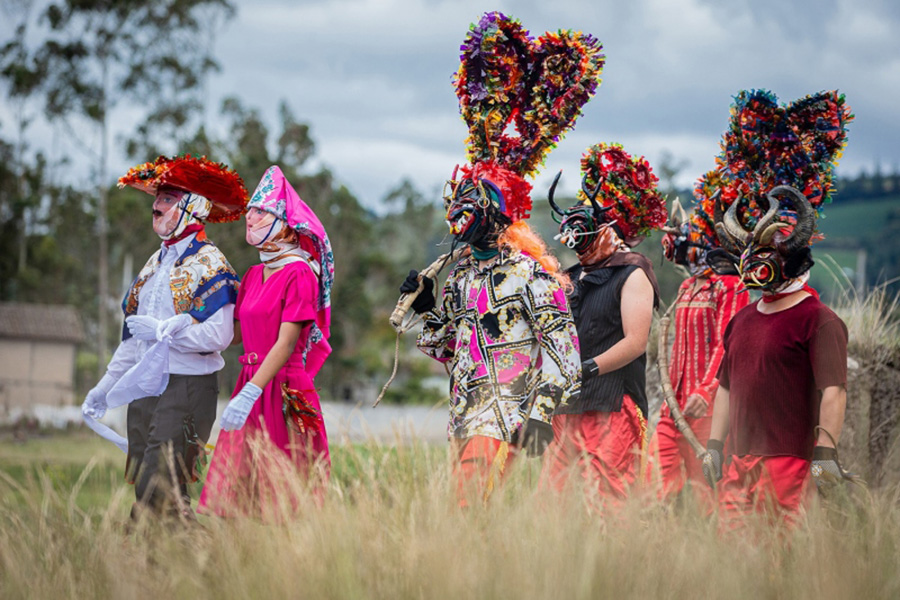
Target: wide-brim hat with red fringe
{"type": "Point", "coordinates": [219, 184]}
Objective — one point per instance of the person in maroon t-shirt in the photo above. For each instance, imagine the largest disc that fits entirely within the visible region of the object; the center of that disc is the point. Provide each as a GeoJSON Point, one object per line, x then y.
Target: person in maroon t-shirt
{"type": "Point", "coordinates": [782, 379]}
{"type": "Point", "coordinates": [781, 395]}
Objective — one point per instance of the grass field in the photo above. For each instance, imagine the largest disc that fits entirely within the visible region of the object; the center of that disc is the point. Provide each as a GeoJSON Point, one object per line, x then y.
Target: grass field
{"type": "Point", "coordinates": [389, 528]}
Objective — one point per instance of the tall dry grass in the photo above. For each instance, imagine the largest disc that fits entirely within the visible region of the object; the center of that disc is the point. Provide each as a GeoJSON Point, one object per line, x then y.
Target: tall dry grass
{"type": "Point", "coordinates": [389, 528]}
{"type": "Point", "coordinates": [870, 442]}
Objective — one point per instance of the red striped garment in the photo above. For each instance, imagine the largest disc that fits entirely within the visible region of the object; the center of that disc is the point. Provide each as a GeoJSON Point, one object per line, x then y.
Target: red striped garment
{"type": "Point", "coordinates": [701, 315]}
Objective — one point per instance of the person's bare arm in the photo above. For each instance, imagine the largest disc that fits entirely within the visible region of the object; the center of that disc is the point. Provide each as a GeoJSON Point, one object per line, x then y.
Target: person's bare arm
{"type": "Point", "coordinates": [288, 334]}
{"type": "Point", "coordinates": [831, 414]}
{"type": "Point", "coordinates": [238, 337]}
{"type": "Point", "coordinates": [719, 427]}
{"type": "Point", "coordinates": [636, 305]}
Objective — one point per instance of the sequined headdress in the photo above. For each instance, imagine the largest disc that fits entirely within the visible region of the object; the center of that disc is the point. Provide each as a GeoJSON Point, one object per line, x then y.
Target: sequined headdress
{"type": "Point", "coordinates": [777, 171]}
{"type": "Point", "coordinates": [223, 187]}
{"type": "Point", "coordinates": [519, 96]}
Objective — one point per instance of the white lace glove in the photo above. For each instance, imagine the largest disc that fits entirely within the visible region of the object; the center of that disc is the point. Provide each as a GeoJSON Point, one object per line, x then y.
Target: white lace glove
{"type": "Point", "coordinates": [239, 408]}
{"type": "Point", "coordinates": [171, 326]}
{"type": "Point", "coordinates": [142, 327]}
{"type": "Point", "coordinates": [94, 404]}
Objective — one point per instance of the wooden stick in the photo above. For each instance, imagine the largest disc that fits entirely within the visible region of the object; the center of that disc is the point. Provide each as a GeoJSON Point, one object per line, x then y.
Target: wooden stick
{"type": "Point", "coordinates": [662, 362]}
{"type": "Point", "coordinates": [432, 270]}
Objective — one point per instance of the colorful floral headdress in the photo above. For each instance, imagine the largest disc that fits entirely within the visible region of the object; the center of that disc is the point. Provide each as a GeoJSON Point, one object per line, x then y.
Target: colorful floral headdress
{"type": "Point", "coordinates": [223, 187]}
{"type": "Point", "coordinates": [507, 80]}
{"type": "Point", "coordinates": [769, 145]}
{"type": "Point", "coordinates": [625, 185]}
{"type": "Point", "coordinates": [701, 225]}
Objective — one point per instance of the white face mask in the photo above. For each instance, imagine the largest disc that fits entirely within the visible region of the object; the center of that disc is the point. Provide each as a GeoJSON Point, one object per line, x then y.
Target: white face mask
{"type": "Point", "coordinates": [188, 210]}
{"type": "Point", "coordinates": [267, 228]}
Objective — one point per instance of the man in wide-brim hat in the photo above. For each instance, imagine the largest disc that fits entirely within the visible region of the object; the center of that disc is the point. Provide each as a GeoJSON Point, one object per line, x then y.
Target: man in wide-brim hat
{"type": "Point", "coordinates": [180, 307]}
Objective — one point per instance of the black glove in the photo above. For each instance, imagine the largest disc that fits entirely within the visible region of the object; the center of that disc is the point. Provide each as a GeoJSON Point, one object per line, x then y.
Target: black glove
{"type": "Point", "coordinates": [589, 370]}
{"type": "Point", "coordinates": [825, 468]}
{"type": "Point", "coordinates": [538, 436]}
{"type": "Point", "coordinates": [425, 300]}
{"type": "Point", "coordinates": [712, 462]}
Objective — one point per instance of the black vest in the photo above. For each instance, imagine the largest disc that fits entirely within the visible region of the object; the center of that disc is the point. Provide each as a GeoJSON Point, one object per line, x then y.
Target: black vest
{"type": "Point", "coordinates": [596, 306]}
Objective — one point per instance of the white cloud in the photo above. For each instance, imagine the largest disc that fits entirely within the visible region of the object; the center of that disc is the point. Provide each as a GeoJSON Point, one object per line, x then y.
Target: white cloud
{"type": "Point", "coordinates": [372, 77]}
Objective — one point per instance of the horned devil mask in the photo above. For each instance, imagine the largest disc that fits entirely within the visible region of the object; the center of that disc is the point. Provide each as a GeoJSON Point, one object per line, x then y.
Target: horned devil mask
{"type": "Point", "coordinates": [766, 258]}
{"type": "Point", "coordinates": [474, 211]}
{"type": "Point", "coordinates": [579, 225]}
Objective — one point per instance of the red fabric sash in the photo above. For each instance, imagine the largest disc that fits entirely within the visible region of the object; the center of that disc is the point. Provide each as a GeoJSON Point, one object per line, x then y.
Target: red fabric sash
{"type": "Point", "coordinates": [192, 228]}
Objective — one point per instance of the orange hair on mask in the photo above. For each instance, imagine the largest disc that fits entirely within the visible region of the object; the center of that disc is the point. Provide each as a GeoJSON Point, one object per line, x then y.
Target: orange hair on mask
{"type": "Point", "coordinates": [519, 236]}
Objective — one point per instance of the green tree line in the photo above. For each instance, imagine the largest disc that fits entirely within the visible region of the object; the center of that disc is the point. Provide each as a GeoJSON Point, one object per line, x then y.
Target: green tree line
{"type": "Point", "coordinates": [73, 238]}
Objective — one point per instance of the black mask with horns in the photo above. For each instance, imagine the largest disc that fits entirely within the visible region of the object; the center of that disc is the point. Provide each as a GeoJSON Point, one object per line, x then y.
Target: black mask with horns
{"type": "Point", "coordinates": [764, 257]}
{"type": "Point", "coordinates": [579, 224]}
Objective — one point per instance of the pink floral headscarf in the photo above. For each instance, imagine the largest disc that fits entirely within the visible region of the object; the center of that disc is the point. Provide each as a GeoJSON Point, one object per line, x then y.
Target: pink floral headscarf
{"type": "Point", "coordinates": [275, 194]}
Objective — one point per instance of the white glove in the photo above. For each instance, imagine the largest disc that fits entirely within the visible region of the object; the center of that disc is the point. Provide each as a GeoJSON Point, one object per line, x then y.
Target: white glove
{"type": "Point", "coordinates": [239, 408]}
{"type": "Point", "coordinates": [94, 404]}
{"type": "Point", "coordinates": [142, 327]}
{"type": "Point", "coordinates": [169, 327]}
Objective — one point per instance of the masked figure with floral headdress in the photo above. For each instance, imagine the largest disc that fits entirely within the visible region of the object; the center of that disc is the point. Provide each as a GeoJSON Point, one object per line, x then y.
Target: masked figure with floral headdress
{"type": "Point", "coordinates": [179, 317]}
{"type": "Point", "coordinates": [502, 323]}
{"type": "Point", "coordinates": [781, 395]}
{"type": "Point", "coordinates": [600, 436]}
{"type": "Point", "coordinates": [274, 437]}
{"type": "Point", "coordinates": [705, 304]}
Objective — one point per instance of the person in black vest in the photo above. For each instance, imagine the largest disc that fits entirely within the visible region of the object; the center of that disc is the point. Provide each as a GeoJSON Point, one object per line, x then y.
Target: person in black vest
{"type": "Point", "coordinates": [601, 434]}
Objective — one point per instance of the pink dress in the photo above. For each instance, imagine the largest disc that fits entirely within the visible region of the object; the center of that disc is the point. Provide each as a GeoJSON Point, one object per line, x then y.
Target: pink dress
{"type": "Point", "coordinates": [273, 453]}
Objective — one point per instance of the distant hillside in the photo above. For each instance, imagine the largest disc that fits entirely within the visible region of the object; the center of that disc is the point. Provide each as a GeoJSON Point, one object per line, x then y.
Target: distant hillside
{"type": "Point", "coordinates": [861, 228]}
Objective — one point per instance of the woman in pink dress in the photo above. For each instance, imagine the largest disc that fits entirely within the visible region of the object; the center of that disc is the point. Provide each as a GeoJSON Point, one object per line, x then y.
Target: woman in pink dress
{"type": "Point", "coordinates": [273, 437]}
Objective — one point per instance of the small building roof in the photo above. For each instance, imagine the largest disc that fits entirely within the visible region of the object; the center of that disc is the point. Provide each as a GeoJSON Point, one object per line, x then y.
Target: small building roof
{"type": "Point", "coordinates": [50, 322]}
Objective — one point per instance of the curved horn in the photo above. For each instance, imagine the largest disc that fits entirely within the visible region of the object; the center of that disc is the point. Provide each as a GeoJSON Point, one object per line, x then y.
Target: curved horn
{"type": "Point", "coordinates": [763, 224]}
{"type": "Point", "coordinates": [765, 238]}
{"type": "Point", "coordinates": [733, 226]}
{"type": "Point", "coordinates": [678, 215]}
{"type": "Point", "coordinates": [553, 205]}
{"type": "Point", "coordinates": [725, 238]}
{"type": "Point", "coordinates": [806, 218]}
{"type": "Point", "coordinates": [592, 197]}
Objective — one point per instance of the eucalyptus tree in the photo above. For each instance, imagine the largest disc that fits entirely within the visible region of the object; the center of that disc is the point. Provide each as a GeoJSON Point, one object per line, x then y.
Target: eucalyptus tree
{"type": "Point", "coordinates": [150, 58]}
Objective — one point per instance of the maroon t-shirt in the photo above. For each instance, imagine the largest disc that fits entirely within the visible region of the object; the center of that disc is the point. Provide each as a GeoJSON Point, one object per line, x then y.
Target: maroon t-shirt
{"type": "Point", "coordinates": [775, 366]}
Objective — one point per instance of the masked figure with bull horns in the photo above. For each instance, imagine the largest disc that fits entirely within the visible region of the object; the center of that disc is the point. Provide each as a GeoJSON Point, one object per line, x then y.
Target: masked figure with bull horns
{"type": "Point", "coordinates": [599, 437]}
{"type": "Point", "coordinates": [705, 304]}
{"type": "Point", "coordinates": [782, 395]}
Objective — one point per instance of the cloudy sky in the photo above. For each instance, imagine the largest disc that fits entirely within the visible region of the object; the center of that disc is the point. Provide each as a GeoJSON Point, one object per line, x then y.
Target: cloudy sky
{"type": "Point", "coordinates": [372, 77]}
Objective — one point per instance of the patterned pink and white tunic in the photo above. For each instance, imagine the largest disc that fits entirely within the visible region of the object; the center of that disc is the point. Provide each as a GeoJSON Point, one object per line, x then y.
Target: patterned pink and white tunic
{"type": "Point", "coordinates": [509, 337]}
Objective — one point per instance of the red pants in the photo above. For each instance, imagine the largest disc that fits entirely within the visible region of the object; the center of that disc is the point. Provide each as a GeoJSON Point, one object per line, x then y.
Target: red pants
{"type": "Point", "coordinates": [774, 485]}
{"type": "Point", "coordinates": [603, 448]}
{"type": "Point", "coordinates": [675, 461]}
{"type": "Point", "coordinates": [481, 464]}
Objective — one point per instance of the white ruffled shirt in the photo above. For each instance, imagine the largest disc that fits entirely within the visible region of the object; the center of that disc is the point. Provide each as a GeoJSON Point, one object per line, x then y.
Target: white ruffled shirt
{"type": "Point", "coordinates": [185, 358]}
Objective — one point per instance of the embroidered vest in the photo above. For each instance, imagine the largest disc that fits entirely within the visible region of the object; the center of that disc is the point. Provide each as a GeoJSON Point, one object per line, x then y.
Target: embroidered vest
{"type": "Point", "coordinates": [201, 281]}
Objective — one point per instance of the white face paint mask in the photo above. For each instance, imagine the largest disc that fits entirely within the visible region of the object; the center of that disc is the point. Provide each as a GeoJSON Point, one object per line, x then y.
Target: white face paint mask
{"type": "Point", "coordinates": [267, 228]}
{"type": "Point", "coordinates": [189, 210]}
{"type": "Point", "coordinates": [276, 254]}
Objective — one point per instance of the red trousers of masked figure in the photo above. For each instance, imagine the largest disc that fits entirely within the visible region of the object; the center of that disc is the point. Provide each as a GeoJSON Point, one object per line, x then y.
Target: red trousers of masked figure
{"type": "Point", "coordinates": [674, 461]}
{"type": "Point", "coordinates": [603, 448]}
{"type": "Point", "coordinates": [481, 465]}
{"type": "Point", "coordinates": [778, 486]}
